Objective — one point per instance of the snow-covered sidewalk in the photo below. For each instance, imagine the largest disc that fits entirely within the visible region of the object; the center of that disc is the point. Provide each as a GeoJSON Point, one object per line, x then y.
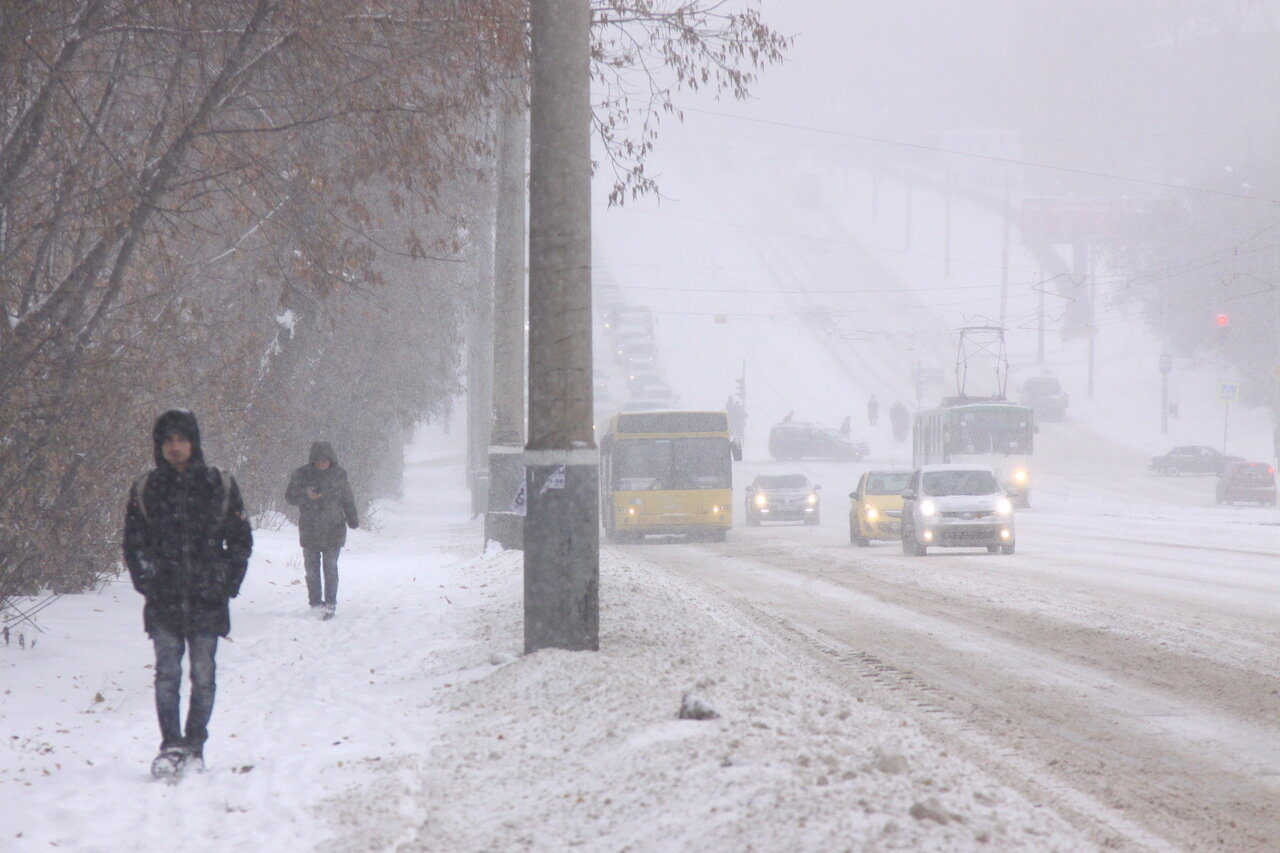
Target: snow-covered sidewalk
{"type": "Point", "coordinates": [412, 722]}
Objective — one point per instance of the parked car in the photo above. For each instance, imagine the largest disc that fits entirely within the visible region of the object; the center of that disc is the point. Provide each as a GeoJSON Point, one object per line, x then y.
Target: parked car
{"type": "Point", "coordinates": [783, 497]}
{"type": "Point", "coordinates": [806, 440]}
{"type": "Point", "coordinates": [1192, 459]}
{"type": "Point", "coordinates": [1251, 482]}
{"type": "Point", "coordinates": [955, 506]}
{"type": "Point", "coordinates": [875, 507]}
{"type": "Point", "coordinates": [1045, 397]}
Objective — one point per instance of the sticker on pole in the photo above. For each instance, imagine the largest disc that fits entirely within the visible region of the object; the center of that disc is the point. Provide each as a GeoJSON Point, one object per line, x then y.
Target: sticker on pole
{"type": "Point", "coordinates": [555, 480]}
{"type": "Point", "coordinates": [520, 503]}
{"type": "Point", "coordinates": [1228, 392]}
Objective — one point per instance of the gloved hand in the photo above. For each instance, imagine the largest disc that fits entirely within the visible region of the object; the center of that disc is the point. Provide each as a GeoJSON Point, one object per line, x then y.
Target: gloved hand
{"type": "Point", "coordinates": [143, 576]}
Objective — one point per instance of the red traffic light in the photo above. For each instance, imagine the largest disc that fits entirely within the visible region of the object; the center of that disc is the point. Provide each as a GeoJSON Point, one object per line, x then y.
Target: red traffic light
{"type": "Point", "coordinates": [1223, 321]}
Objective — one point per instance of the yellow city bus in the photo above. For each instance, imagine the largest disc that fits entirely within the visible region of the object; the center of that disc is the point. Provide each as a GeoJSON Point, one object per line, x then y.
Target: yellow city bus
{"type": "Point", "coordinates": [667, 472]}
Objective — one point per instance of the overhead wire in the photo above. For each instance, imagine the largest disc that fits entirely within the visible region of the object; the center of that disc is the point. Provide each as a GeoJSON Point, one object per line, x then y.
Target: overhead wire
{"type": "Point", "coordinates": [938, 149]}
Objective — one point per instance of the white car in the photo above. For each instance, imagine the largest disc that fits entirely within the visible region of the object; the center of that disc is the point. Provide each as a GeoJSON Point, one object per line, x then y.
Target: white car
{"type": "Point", "coordinates": [956, 506]}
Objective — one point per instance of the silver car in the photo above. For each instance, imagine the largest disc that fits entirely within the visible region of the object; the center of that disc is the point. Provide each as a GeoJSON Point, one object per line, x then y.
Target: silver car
{"type": "Point", "coordinates": [956, 506]}
{"type": "Point", "coordinates": [783, 497]}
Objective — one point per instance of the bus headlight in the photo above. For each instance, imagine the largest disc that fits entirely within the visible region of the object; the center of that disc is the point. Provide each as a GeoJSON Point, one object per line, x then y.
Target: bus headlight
{"type": "Point", "coordinates": [715, 510]}
{"type": "Point", "coordinates": [631, 511]}
{"type": "Point", "coordinates": [871, 512]}
{"type": "Point", "coordinates": [762, 501]}
{"type": "Point", "coordinates": [1003, 506]}
{"type": "Point", "coordinates": [1020, 476]}
{"type": "Point", "coordinates": [928, 508]}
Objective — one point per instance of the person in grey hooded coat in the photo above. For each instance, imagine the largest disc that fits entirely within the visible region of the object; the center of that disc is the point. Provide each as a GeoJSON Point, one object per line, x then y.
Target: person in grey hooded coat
{"type": "Point", "coordinates": [326, 508]}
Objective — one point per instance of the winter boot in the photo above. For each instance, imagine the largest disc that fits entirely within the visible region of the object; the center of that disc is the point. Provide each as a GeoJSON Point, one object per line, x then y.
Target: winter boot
{"type": "Point", "coordinates": [170, 763]}
{"type": "Point", "coordinates": [328, 612]}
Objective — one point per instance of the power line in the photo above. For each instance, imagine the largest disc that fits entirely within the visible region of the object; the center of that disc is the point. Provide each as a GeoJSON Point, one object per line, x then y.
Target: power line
{"type": "Point", "coordinates": [814, 237]}
{"type": "Point", "coordinates": [937, 149]}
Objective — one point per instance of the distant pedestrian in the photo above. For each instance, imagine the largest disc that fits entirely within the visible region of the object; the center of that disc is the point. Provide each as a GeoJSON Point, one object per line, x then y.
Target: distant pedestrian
{"type": "Point", "coordinates": [186, 544]}
{"type": "Point", "coordinates": [326, 508]}
{"type": "Point", "coordinates": [900, 419]}
{"type": "Point", "coordinates": [873, 410]}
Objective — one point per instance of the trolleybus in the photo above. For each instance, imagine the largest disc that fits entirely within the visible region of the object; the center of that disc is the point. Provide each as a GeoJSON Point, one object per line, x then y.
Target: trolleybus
{"type": "Point", "coordinates": [991, 432]}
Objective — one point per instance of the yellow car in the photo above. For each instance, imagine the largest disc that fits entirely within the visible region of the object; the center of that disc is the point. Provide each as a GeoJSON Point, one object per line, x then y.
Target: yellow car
{"type": "Point", "coordinates": [875, 507]}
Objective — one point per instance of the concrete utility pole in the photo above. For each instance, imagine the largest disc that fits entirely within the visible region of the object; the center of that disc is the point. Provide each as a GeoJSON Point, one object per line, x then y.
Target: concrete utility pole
{"type": "Point", "coordinates": [562, 532]}
{"type": "Point", "coordinates": [504, 522]}
{"type": "Point", "coordinates": [480, 360]}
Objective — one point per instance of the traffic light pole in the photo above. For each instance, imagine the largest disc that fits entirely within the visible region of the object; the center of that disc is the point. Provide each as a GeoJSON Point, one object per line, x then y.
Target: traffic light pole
{"type": "Point", "coordinates": [561, 533]}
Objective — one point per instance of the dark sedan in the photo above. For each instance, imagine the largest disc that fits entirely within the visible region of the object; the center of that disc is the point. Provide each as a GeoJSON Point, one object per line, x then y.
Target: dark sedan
{"type": "Point", "coordinates": [809, 441]}
{"type": "Point", "coordinates": [1192, 459]}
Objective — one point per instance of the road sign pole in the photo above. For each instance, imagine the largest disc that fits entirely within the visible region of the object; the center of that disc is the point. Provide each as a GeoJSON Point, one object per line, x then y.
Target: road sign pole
{"type": "Point", "coordinates": [1166, 366]}
{"type": "Point", "coordinates": [1226, 415]}
{"type": "Point", "coordinates": [1164, 404]}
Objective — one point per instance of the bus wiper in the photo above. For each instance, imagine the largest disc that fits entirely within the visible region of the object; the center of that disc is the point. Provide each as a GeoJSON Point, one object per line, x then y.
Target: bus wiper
{"type": "Point", "coordinates": [681, 476]}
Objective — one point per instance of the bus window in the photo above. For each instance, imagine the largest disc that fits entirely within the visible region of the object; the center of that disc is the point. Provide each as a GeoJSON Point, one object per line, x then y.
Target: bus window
{"type": "Point", "coordinates": [701, 463]}
{"type": "Point", "coordinates": [640, 464]}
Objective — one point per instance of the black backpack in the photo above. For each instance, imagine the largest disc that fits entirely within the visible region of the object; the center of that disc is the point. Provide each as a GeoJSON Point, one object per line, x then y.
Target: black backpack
{"type": "Point", "coordinates": [215, 480]}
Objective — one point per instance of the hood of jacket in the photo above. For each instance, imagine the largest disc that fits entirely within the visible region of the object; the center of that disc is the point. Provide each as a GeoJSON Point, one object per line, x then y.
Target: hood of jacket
{"type": "Point", "coordinates": [322, 450]}
{"type": "Point", "coordinates": [176, 420]}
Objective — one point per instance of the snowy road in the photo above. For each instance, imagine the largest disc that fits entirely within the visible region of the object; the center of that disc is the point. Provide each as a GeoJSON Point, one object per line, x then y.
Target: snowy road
{"type": "Point", "coordinates": [1120, 665]}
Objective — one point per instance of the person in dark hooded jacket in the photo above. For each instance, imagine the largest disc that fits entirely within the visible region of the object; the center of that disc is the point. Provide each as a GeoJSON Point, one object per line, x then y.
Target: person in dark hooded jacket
{"type": "Point", "coordinates": [326, 508]}
{"type": "Point", "coordinates": [186, 544]}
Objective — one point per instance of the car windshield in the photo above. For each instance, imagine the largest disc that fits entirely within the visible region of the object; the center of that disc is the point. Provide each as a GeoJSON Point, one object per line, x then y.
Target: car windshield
{"type": "Point", "coordinates": [783, 481]}
{"type": "Point", "coordinates": [939, 483]}
{"type": "Point", "coordinates": [888, 482]}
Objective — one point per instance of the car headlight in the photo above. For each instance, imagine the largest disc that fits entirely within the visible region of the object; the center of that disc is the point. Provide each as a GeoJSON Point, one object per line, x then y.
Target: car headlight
{"type": "Point", "coordinates": [928, 508]}
{"type": "Point", "coordinates": [1020, 476]}
{"type": "Point", "coordinates": [1004, 507]}
{"type": "Point", "coordinates": [871, 512]}
{"type": "Point", "coordinates": [812, 500]}
{"type": "Point", "coordinates": [761, 500]}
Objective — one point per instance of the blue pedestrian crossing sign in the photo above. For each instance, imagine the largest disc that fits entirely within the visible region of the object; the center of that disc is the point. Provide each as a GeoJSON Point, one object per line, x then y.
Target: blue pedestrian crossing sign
{"type": "Point", "coordinates": [1228, 392]}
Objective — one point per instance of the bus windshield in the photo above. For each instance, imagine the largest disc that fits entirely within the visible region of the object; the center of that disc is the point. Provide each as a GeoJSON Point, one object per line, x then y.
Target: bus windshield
{"type": "Point", "coordinates": [993, 431]}
{"type": "Point", "coordinates": [672, 463]}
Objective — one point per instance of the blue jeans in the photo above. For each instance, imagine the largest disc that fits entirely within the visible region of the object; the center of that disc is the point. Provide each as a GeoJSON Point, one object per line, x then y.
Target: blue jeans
{"type": "Point", "coordinates": [311, 561]}
{"type": "Point", "coordinates": [169, 650]}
